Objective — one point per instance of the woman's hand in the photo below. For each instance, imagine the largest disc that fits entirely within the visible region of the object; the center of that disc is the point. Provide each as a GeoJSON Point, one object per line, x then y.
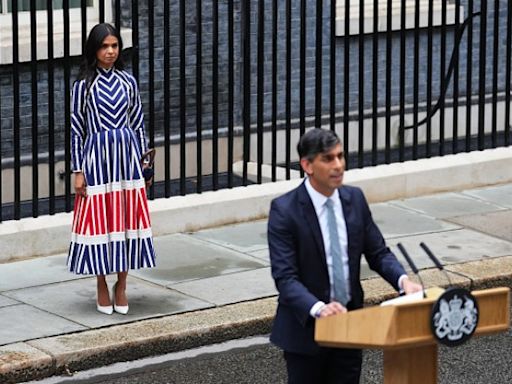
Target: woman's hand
{"type": "Point", "coordinates": [80, 184]}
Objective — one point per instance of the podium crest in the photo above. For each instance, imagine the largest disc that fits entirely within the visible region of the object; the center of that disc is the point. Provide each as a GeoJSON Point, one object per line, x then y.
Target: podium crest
{"type": "Point", "coordinates": [454, 317]}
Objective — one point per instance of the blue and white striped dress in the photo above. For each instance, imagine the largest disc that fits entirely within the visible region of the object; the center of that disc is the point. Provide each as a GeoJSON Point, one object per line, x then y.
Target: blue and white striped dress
{"type": "Point", "coordinates": [111, 229]}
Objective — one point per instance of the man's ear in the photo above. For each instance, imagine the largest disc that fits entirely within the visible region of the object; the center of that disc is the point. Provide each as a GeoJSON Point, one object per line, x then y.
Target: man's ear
{"type": "Point", "coordinates": [306, 166]}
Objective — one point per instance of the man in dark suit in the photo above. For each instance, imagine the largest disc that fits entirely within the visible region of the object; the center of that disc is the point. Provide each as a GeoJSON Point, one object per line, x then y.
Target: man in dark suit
{"type": "Point", "coordinates": [317, 234]}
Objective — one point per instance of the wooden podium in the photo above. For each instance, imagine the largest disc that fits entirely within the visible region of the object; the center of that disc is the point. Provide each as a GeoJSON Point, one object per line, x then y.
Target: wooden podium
{"type": "Point", "coordinates": [403, 332]}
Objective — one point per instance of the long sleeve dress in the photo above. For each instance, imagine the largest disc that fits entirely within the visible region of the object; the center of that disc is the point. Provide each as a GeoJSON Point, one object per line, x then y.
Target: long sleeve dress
{"type": "Point", "coordinates": [111, 230]}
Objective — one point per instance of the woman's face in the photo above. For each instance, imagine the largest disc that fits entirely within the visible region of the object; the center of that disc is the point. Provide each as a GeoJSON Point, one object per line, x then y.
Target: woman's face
{"type": "Point", "coordinates": [108, 52]}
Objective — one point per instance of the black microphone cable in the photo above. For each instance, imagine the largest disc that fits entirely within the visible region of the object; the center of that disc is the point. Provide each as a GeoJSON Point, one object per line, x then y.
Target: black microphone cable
{"type": "Point", "coordinates": [440, 266]}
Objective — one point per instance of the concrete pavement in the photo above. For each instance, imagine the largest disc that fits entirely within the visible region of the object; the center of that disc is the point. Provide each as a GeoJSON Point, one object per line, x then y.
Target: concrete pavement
{"type": "Point", "coordinates": [213, 285]}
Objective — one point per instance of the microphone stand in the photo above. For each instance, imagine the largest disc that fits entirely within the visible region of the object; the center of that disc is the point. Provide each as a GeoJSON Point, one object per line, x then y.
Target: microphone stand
{"type": "Point", "coordinates": [413, 267]}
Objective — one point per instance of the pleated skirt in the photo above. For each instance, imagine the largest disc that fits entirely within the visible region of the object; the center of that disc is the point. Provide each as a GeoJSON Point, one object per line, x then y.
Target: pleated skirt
{"type": "Point", "coordinates": [111, 230]}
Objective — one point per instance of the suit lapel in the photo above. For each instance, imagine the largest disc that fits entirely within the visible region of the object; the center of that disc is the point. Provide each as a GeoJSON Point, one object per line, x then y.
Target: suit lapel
{"type": "Point", "coordinates": [346, 206]}
{"type": "Point", "coordinates": [346, 203]}
{"type": "Point", "coordinates": [309, 214]}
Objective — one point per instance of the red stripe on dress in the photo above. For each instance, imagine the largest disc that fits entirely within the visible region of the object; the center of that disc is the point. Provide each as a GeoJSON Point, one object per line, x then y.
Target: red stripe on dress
{"type": "Point", "coordinates": [126, 200]}
{"type": "Point", "coordinates": [143, 211]}
{"type": "Point", "coordinates": [113, 208]}
{"type": "Point", "coordinates": [121, 211]}
{"type": "Point", "coordinates": [96, 216]}
{"type": "Point", "coordinates": [138, 211]}
{"type": "Point", "coordinates": [108, 209]}
{"type": "Point", "coordinates": [128, 209]}
{"type": "Point", "coordinates": [133, 210]}
{"type": "Point", "coordinates": [104, 213]}
{"type": "Point", "coordinates": [81, 216]}
{"type": "Point", "coordinates": [76, 210]}
{"type": "Point", "coordinates": [112, 213]}
{"type": "Point", "coordinates": [87, 217]}
{"type": "Point", "coordinates": [138, 207]}
{"type": "Point", "coordinates": [115, 214]}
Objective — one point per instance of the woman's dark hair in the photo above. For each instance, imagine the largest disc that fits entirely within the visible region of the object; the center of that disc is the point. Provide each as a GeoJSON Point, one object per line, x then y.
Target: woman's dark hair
{"type": "Point", "coordinates": [94, 42]}
{"type": "Point", "coordinates": [315, 142]}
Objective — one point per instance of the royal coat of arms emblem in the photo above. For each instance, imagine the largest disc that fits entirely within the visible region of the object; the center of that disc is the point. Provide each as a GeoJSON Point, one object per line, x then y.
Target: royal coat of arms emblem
{"type": "Point", "coordinates": [454, 317]}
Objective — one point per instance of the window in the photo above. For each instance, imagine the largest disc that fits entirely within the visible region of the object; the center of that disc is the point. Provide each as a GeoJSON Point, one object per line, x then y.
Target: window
{"type": "Point", "coordinates": [410, 7]}
{"type": "Point", "coordinates": [75, 28]}
{"type": "Point", "coordinates": [24, 5]}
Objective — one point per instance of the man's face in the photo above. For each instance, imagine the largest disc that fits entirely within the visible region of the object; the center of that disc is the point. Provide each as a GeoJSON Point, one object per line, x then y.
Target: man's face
{"type": "Point", "coordinates": [326, 170]}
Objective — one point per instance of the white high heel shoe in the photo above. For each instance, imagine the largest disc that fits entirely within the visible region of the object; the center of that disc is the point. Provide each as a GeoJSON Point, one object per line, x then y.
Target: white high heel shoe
{"type": "Point", "coordinates": [122, 309]}
{"type": "Point", "coordinates": [105, 309]}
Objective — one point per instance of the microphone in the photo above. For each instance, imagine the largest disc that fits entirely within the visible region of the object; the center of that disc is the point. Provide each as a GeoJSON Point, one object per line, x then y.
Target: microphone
{"type": "Point", "coordinates": [413, 266]}
{"type": "Point", "coordinates": [439, 266]}
{"type": "Point", "coordinates": [435, 260]}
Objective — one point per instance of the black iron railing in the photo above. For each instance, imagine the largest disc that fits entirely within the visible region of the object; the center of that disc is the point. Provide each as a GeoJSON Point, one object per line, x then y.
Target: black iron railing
{"type": "Point", "coordinates": [237, 80]}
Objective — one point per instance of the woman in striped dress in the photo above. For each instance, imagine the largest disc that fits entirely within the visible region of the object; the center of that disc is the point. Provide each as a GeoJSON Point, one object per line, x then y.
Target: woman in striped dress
{"type": "Point", "coordinates": [111, 230]}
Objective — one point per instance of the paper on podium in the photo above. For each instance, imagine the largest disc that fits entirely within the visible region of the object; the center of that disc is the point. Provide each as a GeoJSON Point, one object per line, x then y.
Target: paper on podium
{"type": "Point", "coordinates": [431, 293]}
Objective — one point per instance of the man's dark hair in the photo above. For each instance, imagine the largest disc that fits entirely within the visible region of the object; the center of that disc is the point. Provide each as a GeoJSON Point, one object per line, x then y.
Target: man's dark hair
{"type": "Point", "coordinates": [315, 142]}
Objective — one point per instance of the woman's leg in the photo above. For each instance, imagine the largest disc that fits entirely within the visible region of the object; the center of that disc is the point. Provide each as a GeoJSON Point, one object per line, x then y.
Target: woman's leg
{"type": "Point", "coordinates": [102, 289]}
{"type": "Point", "coordinates": [120, 292]}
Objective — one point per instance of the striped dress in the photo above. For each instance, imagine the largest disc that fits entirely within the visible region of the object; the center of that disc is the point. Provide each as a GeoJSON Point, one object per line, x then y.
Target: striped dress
{"type": "Point", "coordinates": [111, 230]}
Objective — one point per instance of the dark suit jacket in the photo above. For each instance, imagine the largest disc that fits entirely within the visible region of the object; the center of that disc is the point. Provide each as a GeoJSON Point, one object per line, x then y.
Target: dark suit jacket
{"type": "Point", "coordinates": [299, 266]}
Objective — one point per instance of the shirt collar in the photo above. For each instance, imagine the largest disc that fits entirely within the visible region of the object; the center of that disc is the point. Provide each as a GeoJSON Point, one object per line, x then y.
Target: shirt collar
{"type": "Point", "coordinates": [317, 198]}
{"type": "Point", "coordinates": [105, 71]}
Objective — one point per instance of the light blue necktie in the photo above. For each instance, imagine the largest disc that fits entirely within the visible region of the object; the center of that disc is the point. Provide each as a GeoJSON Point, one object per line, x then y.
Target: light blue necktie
{"type": "Point", "coordinates": [338, 274]}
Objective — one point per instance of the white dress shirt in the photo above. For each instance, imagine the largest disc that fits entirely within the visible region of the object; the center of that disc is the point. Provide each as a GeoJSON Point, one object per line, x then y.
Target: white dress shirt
{"type": "Point", "coordinates": [319, 200]}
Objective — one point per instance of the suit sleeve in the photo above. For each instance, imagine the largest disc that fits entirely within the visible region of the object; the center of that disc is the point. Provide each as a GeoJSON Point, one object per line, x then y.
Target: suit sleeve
{"type": "Point", "coordinates": [284, 263]}
{"type": "Point", "coordinates": [379, 256]}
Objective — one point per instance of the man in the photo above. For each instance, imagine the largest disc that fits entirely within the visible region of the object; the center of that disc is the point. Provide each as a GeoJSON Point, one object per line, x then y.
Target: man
{"type": "Point", "coordinates": [317, 234]}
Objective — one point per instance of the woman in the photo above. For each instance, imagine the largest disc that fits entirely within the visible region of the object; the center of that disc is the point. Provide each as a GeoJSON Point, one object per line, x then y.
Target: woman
{"type": "Point", "coordinates": [111, 230]}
